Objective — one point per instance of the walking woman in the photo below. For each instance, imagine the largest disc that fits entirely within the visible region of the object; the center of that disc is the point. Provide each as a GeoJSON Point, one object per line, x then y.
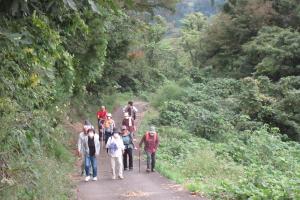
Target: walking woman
{"type": "Point", "coordinates": [115, 148]}
{"type": "Point", "coordinates": [128, 143]}
{"type": "Point", "coordinates": [109, 125]}
{"type": "Point", "coordinates": [129, 123]}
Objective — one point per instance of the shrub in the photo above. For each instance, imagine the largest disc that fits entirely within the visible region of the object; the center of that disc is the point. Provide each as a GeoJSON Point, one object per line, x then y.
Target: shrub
{"type": "Point", "coordinates": [169, 91]}
{"type": "Point", "coordinates": [174, 113]}
{"type": "Point", "coordinates": [246, 156]}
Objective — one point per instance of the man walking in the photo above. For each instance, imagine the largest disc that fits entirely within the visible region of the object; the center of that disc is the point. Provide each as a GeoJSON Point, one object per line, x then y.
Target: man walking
{"type": "Point", "coordinates": [91, 149]}
{"type": "Point", "coordinates": [86, 127]}
{"type": "Point", "coordinates": [151, 142]}
{"type": "Point", "coordinates": [131, 110]}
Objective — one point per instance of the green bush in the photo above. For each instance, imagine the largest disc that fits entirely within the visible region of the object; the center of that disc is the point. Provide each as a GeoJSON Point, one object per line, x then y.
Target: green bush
{"type": "Point", "coordinates": [222, 140]}
{"type": "Point", "coordinates": [174, 113]}
{"type": "Point", "coordinates": [169, 91]}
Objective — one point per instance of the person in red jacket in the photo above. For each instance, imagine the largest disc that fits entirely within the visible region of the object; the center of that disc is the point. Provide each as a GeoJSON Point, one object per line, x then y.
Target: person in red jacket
{"type": "Point", "coordinates": [151, 141]}
{"type": "Point", "coordinates": [101, 116]}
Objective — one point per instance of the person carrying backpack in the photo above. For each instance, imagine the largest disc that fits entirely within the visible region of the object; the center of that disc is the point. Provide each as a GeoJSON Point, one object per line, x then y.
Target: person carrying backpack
{"type": "Point", "coordinates": [131, 110]}
{"type": "Point", "coordinates": [116, 148]}
{"type": "Point", "coordinates": [91, 149]}
{"type": "Point", "coordinates": [129, 146]}
{"type": "Point", "coordinates": [108, 126]}
{"type": "Point", "coordinates": [151, 142]}
{"type": "Point", "coordinates": [129, 123]}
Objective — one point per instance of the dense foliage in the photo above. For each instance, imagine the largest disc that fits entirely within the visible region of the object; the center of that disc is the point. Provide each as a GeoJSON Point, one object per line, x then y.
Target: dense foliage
{"type": "Point", "coordinates": [252, 38]}
{"type": "Point", "coordinates": [230, 91]}
{"type": "Point", "coordinates": [237, 112]}
{"type": "Point", "coordinates": [54, 53]}
{"type": "Point", "coordinates": [216, 141]}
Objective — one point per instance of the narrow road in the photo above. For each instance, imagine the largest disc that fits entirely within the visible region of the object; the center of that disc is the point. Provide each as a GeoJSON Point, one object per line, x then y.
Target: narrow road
{"type": "Point", "coordinates": [135, 185]}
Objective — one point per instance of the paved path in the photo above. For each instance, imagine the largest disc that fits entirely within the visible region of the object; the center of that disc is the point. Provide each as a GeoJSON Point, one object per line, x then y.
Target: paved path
{"type": "Point", "coordinates": [135, 185]}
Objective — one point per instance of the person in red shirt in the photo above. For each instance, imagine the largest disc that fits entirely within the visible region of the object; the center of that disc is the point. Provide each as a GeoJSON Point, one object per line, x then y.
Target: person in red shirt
{"type": "Point", "coordinates": [101, 116]}
{"type": "Point", "coordinates": [151, 141]}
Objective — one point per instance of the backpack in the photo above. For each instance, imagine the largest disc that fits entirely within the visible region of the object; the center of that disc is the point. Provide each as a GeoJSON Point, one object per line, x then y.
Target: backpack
{"type": "Point", "coordinates": [131, 112]}
{"type": "Point", "coordinates": [134, 115]}
{"type": "Point", "coordinates": [130, 140]}
{"type": "Point", "coordinates": [113, 147]}
{"type": "Point", "coordinates": [108, 125]}
{"type": "Point", "coordinates": [128, 143]}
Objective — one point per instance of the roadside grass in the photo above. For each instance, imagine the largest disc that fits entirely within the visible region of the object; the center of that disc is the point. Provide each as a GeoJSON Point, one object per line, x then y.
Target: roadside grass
{"type": "Point", "coordinates": [42, 171]}
{"type": "Point", "coordinates": [203, 147]}
{"type": "Point", "coordinates": [193, 162]}
{"type": "Point", "coordinates": [188, 159]}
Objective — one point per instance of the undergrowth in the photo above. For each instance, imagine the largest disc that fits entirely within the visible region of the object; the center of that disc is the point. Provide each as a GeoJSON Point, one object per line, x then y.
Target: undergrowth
{"type": "Point", "coordinates": [214, 146]}
{"type": "Point", "coordinates": [36, 162]}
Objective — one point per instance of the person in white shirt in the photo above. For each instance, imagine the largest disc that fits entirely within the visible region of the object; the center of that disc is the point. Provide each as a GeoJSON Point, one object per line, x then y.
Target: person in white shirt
{"type": "Point", "coordinates": [116, 148]}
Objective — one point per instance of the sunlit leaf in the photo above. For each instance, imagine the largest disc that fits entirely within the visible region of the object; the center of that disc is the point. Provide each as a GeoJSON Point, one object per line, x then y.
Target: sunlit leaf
{"type": "Point", "coordinates": [71, 4]}
{"type": "Point", "coordinates": [94, 6]}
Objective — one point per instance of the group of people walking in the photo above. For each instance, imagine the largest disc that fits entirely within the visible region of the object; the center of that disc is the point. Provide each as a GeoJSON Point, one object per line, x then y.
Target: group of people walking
{"type": "Point", "coordinates": [119, 143]}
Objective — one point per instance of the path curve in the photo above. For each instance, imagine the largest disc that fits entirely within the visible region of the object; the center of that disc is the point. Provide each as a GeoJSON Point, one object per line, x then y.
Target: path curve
{"type": "Point", "coordinates": [135, 185]}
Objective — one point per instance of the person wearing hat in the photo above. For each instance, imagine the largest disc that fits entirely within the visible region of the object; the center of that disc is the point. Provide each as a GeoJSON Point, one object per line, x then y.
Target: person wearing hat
{"type": "Point", "coordinates": [151, 142]}
{"type": "Point", "coordinates": [91, 149]}
{"type": "Point", "coordinates": [128, 143]}
{"type": "Point", "coordinates": [80, 151]}
{"type": "Point", "coordinates": [116, 148]}
{"type": "Point", "coordinates": [129, 123]}
{"type": "Point", "coordinates": [108, 125]}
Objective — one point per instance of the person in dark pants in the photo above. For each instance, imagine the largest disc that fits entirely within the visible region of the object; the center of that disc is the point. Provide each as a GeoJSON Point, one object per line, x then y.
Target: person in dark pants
{"type": "Point", "coordinates": [151, 141]}
{"type": "Point", "coordinates": [128, 143]}
{"type": "Point", "coordinates": [101, 116]}
{"type": "Point", "coordinates": [129, 123]}
{"type": "Point", "coordinates": [109, 125]}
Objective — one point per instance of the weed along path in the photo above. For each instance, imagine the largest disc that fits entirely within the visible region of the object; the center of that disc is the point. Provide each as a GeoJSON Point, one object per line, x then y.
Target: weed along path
{"type": "Point", "coordinates": [135, 185]}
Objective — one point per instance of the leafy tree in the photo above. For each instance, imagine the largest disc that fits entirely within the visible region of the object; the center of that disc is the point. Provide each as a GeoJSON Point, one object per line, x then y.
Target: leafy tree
{"type": "Point", "coordinates": [152, 37]}
{"type": "Point", "coordinates": [192, 29]}
{"type": "Point", "coordinates": [274, 52]}
{"type": "Point", "coordinates": [221, 44]}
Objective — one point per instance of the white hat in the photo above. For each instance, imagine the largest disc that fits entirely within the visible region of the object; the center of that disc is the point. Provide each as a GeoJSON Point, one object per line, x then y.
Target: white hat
{"type": "Point", "coordinates": [108, 114]}
{"type": "Point", "coordinates": [152, 129]}
{"type": "Point", "coordinates": [126, 114]}
{"type": "Point", "coordinates": [86, 127]}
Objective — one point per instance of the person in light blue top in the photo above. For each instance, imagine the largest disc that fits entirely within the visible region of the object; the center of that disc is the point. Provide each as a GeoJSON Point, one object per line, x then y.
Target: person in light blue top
{"type": "Point", "coordinates": [129, 146]}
